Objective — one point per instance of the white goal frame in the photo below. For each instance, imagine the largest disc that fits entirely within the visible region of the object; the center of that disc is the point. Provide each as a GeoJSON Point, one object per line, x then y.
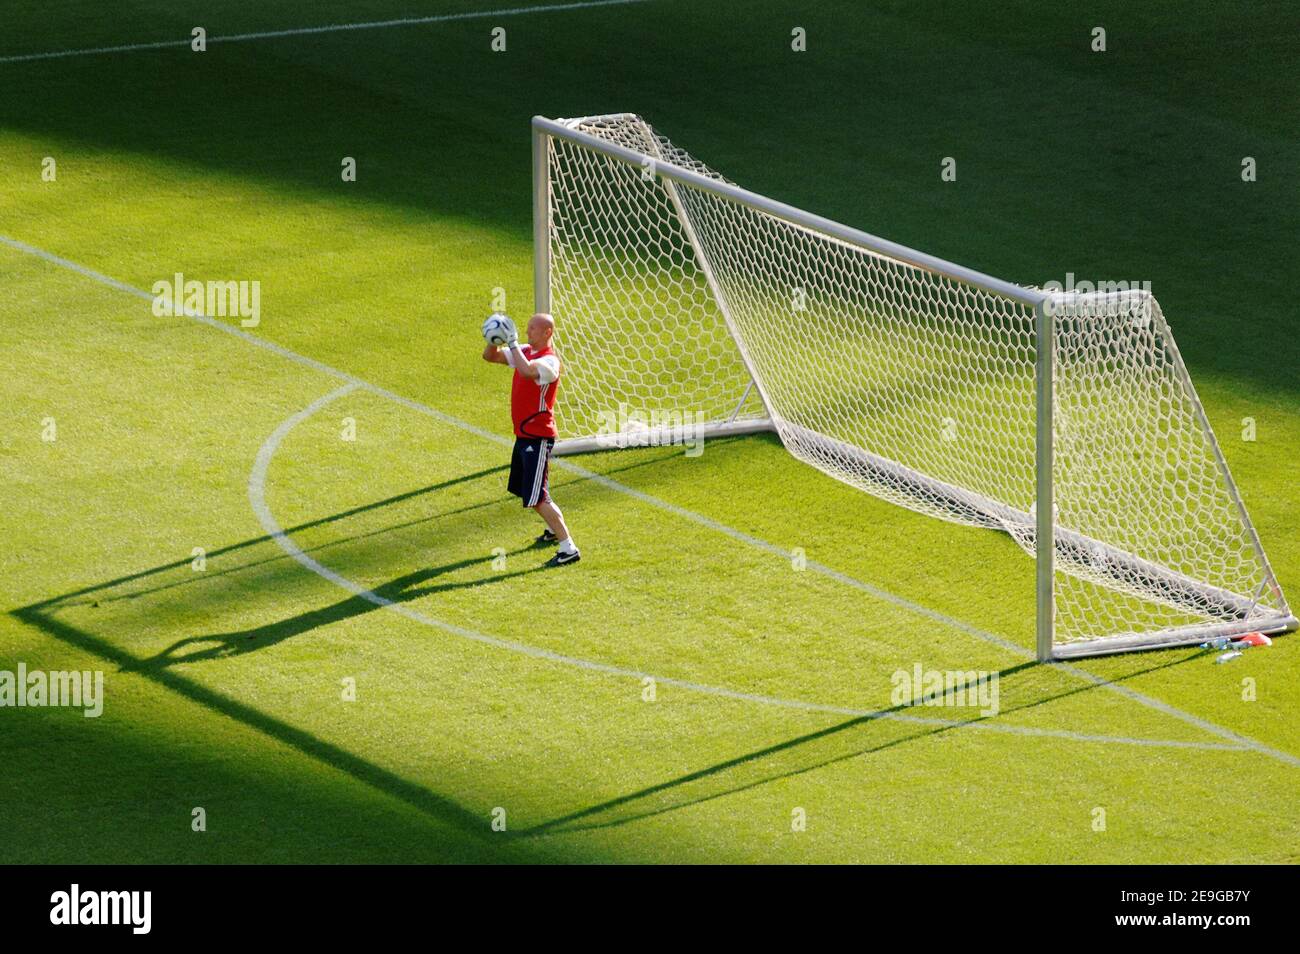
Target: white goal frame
{"type": "Point", "coordinates": [1044, 305]}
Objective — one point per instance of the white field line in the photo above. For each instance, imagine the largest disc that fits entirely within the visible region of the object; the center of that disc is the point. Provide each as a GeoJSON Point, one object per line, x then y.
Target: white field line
{"type": "Point", "coordinates": [1158, 705]}
{"type": "Point", "coordinates": [257, 500]}
{"type": "Point", "coordinates": [327, 28]}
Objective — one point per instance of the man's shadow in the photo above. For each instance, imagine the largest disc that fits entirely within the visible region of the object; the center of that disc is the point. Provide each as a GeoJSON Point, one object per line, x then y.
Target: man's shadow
{"type": "Point", "coordinates": [402, 589]}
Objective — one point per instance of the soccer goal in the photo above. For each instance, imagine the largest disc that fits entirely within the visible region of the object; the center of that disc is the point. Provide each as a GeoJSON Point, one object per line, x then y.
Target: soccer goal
{"type": "Point", "coordinates": [683, 300]}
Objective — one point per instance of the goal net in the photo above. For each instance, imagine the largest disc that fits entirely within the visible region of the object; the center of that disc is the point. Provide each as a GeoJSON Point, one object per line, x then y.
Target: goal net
{"type": "Point", "coordinates": [686, 305]}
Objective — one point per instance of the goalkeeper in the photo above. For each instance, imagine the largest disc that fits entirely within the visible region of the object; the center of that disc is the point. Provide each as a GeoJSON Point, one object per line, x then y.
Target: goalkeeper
{"type": "Point", "coordinates": [532, 402]}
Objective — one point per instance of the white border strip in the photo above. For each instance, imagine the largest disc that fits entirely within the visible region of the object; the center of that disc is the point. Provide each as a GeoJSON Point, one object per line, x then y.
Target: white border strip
{"type": "Point", "coordinates": [328, 28]}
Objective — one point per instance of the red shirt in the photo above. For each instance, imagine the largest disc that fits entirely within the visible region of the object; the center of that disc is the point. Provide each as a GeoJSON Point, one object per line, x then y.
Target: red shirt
{"type": "Point", "coordinates": [532, 402]}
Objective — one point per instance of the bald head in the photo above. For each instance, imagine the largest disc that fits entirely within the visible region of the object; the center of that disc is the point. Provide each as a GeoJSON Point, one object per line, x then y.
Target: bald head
{"type": "Point", "coordinates": [540, 328]}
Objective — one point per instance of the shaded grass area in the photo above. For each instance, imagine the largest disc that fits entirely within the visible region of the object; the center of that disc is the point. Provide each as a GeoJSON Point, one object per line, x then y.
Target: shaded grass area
{"type": "Point", "coordinates": [1079, 161]}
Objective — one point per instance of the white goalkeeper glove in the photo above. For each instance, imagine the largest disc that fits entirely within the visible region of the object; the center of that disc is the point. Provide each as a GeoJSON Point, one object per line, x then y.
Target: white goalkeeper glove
{"type": "Point", "coordinates": [511, 335]}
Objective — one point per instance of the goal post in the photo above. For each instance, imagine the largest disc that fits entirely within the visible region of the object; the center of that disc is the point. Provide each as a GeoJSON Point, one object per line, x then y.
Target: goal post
{"type": "Point", "coordinates": [687, 305]}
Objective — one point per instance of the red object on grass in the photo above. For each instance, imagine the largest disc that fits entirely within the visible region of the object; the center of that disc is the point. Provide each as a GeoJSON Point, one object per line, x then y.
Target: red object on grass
{"type": "Point", "coordinates": [1256, 639]}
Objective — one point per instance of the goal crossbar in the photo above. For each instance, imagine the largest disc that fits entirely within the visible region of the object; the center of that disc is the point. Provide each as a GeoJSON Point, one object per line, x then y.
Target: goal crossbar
{"type": "Point", "coordinates": [666, 169]}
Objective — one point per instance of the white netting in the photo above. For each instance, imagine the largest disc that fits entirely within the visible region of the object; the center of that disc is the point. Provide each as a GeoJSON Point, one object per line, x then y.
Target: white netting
{"type": "Point", "coordinates": [1138, 472]}
{"type": "Point", "coordinates": [910, 385]}
{"type": "Point", "coordinates": [642, 335]}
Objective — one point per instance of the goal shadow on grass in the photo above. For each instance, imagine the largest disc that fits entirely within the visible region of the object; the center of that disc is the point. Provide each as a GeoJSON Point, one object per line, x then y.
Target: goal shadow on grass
{"type": "Point", "coordinates": [796, 756]}
{"type": "Point", "coordinates": [375, 776]}
{"type": "Point", "coordinates": [161, 671]}
{"type": "Point", "coordinates": [401, 589]}
{"type": "Point", "coordinates": [41, 615]}
{"type": "Point", "coordinates": [73, 597]}
{"type": "Point", "coordinates": [95, 593]}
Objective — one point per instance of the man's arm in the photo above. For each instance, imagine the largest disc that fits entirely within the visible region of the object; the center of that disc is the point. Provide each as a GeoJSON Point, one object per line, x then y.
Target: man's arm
{"type": "Point", "coordinates": [543, 370]}
{"type": "Point", "coordinates": [513, 355]}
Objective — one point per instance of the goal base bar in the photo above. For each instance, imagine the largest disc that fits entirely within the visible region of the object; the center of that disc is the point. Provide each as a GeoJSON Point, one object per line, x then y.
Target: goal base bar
{"type": "Point", "coordinates": [660, 436]}
{"type": "Point", "coordinates": [1159, 583]}
{"type": "Point", "coordinates": [1170, 638]}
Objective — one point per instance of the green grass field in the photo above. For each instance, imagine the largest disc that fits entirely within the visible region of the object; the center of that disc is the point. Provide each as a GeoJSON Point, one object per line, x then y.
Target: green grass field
{"type": "Point", "coordinates": [483, 682]}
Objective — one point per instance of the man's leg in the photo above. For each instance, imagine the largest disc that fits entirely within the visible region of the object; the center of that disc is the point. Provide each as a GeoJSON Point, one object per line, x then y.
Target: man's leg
{"type": "Point", "coordinates": [567, 552]}
{"type": "Point", "coordinates": [539, 499]}
{"type": "Point", "coordinates": [554, 519]}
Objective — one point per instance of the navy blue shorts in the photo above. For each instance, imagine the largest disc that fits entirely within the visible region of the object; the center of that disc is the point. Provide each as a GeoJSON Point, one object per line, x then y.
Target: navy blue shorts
{"type": "Point", "coordinates": [530, 466]}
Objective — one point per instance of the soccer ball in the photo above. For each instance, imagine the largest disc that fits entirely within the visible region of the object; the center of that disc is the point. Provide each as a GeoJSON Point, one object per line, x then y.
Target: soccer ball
{"type": "Point", "coordinates": [495, 328]}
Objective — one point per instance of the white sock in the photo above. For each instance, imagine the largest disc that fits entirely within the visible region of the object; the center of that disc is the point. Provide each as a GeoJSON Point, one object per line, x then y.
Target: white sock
{"type": "Point", "coordinates": [566, 545]}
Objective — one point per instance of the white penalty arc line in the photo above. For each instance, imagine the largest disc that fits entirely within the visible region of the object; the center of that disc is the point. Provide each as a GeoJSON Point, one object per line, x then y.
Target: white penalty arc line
{"type": "Point", "coordinates": [257, 479]}
{"type": "Point", "coordinates": [327, 28]}
{"type": "Point", "coordinates": [1158, 705]}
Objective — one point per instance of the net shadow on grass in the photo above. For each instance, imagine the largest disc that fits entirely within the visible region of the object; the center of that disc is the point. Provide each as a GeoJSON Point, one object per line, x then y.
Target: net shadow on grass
{"type": "Point", "coordinates": [66, 599]}
{"type": "Point", "coordinates": [398, 590]}
{"type": "Point", "coordinates": [74, 597]}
